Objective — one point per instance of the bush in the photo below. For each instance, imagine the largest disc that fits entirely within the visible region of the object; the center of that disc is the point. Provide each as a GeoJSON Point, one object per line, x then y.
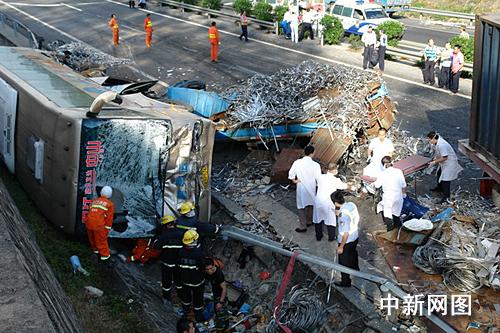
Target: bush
{"type": "Point", "coordinates": [332, 30]}
{"type": "Point", "coordinates": [279, 12]}
{"type": "Point", "coordinates": [212, 4]}
{"type": "Point", "coordinates": [355, 41]}
{"type": "Point", "coordinates": [394, 31]}
{"type": "Point", "coordinates": [190, 2]}
{"type": "Point", "coordinates": [263, 11]}
{"type": "Point", "coordinates": [466, 45]}
{"type": "Point", "coordinates": [243, 5]}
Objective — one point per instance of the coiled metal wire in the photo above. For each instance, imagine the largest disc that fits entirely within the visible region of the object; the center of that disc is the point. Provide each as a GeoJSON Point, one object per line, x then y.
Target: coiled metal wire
{"type": "Point", "coordinates": [301, 311]}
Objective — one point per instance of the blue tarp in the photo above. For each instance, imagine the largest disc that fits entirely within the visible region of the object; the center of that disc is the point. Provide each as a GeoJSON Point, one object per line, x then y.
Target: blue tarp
{"type": "Point", "coordinates": [204, 103]}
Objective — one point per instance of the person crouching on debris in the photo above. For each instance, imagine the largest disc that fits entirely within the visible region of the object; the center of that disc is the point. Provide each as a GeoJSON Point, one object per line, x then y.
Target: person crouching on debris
{"type": "Point", "coordinates": [393, 185]}
{"type": "Point", "coordinates": [170, 243]}
{"type": "Point", "coordinates": [305, 173]}
{"type": "Point", "coordinates": [323, 206]}
{"type": "Point", "coordinates": [447, 162]}
{"type": "Point", "coordinates": [113, 24]}
{"type": "Point", "coordinates": [214, 274]}
{"type": "Point", "coordinates": [99, 222]}
{"type": "Point", "coordinates": [185, 325]}
{"type": "Point", "coordinates": [347, 238]}
{"type": "Point", "coordinates": [192, 275]}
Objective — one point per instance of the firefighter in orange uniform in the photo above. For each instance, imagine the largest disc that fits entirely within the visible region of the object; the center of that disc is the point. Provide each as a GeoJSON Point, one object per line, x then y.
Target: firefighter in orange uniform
{"type": "Point", "coordinates": [99, 222]}
{"type": "Point", "coordinates": [148, 26]}
{"type": "Point", "coordinates": [213, 37]}
{"type": "Point", "coordinates": [144, 251]}
{"type": "Point", "coordinates": [113, 24]}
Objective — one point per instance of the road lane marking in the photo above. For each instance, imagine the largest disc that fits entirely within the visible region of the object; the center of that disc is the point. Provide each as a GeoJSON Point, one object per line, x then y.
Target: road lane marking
{"type": "Point", "coordinates": [69, 6]}
{"type": "Point", "coordinates": [290, 50]}
{"type": "Point", "coordinates": [20, 4]}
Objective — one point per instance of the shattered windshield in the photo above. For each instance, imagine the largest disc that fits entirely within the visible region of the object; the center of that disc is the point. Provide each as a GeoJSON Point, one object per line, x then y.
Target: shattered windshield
{"type": "Point", "coordinates": [127, 155]}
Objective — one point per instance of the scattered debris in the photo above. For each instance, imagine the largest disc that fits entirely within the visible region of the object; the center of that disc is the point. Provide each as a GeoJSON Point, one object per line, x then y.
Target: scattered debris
{"type": "Point", "coordinates": [94, 292]}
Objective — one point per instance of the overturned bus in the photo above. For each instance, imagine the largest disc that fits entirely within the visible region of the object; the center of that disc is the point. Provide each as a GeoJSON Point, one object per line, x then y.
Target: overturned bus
{"type": "Point", "coordinates": [64, 140]}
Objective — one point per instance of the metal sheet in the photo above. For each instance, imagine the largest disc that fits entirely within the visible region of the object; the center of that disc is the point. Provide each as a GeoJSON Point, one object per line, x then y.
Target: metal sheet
{"type": "Point", "coordinates": [328, 150]}
{"type": "Point", "coordinates": [279, 171]}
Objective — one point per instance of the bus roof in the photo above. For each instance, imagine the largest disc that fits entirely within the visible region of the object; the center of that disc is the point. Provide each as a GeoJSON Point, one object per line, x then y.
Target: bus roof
{"type": "Point", "coordinates": [58, 84]}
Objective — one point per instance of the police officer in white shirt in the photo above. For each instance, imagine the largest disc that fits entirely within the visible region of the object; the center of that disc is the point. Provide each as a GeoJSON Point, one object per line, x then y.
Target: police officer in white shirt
{"type": "Point", "coordinates": [369, 40]}
{"type": "Point", "coordinates": [447, 161]}
{"type": "Point", "coordinates": [305, 173]}
{"type": "Point", "coordinates": [382, 47]}
{"type": "Point", "coordinates": [324, 210]}
{"type": "Point", "coordinates": [348, 216]}
{"type": "Point", "coordinates": [393, 185]}
{"type": "Point", "coordinates": [378, 148]}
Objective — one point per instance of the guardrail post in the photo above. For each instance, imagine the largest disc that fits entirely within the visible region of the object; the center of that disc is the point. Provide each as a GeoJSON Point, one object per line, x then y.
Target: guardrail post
{"type": "Point", "coordinates": [322, 40]}
{"type": "Point", "coordinates": [276, 25]}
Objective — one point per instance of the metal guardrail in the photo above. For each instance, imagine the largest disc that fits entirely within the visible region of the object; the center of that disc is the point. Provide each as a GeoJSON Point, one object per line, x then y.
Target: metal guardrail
{"type": "Point", "coordinates": [429, 11]}
{"type": "Point", "coordinates": [414, 55]}
{"type": "Point", "coordinates": [384, 282]}
{"type": "Point", "coordinates": [19, 29]}
{"type": "Point", "coordinates": [213, 12]}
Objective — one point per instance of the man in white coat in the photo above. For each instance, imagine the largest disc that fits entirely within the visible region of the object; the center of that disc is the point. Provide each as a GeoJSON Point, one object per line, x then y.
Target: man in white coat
{"type": "Point", "coordinates": [324, 209]}
{"type": "Point", "coordinates": [393, 185]}
{"type": "Point", "coordinates": [446, 159]}
{"type": "Point", "coordinates": [378, 148]}
{"type": "Point", "coordinates": [305, 173]}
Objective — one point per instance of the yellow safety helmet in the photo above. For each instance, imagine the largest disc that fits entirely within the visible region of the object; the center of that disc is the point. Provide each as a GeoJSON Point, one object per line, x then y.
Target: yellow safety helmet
{"type": "Point", "coordinates": [190, 236]}
{"type": "Point", "coordinates": [167, 219]}
{"type": "Point", "coordinates": [186, 207]}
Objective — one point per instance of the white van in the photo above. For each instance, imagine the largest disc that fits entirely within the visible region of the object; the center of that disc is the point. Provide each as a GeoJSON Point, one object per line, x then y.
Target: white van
{"type": "Point", "coordinates": [358, 15]}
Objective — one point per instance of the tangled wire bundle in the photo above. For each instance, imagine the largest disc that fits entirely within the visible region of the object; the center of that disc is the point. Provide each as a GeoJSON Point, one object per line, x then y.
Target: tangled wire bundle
{"type": "Point", "coordinates": [301, 311]}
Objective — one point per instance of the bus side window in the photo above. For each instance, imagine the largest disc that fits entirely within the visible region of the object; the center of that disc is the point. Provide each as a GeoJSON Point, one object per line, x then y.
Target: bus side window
{"type": "Point", "coordinates": [347, 12]}
{"type": "Point", "coordinates": [337, 9]}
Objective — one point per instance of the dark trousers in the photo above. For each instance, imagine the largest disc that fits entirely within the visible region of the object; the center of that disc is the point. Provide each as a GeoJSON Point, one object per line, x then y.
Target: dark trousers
{"type": "Point", "coordinates": [305, 216]}
{"type": "Point", "coordinates": [429, 72]}
{"type": "Point", "coordinates": [193, 295]}
{"type": "Point", "coordinates": [444, 186]}
{"type": "Point", "coordinates": [244, 32]}
{"type": "Point", "coordinates": [455, 78]}
{"type": "Point", "coordinates": [367, 55]}
{"type": "Point", "coordinates": [349, 258]}
{"type": "Point", "coordinates": [131, 4]}
{"type": "Point", "coordinates": [169, 278]}
{"type": "Point", "coordinates": [391, 223]}
{"type": "Point", "coordinates": [307, 27]}
{"type": "Point", "coordinates": [142, 5]}
{"type": "Point", "coordinates": [286, 28]}
{"type": "Point", "coordinates": [318, 227]}
{"type": "Point", "coordinates": [381, 57]}
{"type": "Point", "coordinates": [444, 77]}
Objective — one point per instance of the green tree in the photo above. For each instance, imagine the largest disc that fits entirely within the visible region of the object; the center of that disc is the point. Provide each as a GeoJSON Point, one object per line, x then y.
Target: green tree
{"type": "Point", "coordinates": [243, 5]}
{"type": "Point", "coordinates": [263, 11]}
{"type": "Point", "coordinates": [394, 31]}
{"type": "Point", "coordinates": [212, 4]}
{"type": "Point", "coordinates": [333, 31]}
{"type": "Point", "coordinates": [466, 45]}
{"type": "Point", "coordinates": [279, 12]}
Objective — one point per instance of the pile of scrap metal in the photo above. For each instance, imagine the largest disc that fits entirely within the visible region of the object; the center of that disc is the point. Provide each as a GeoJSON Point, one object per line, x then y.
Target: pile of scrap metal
{"type": "Point", "coordinates": [83, 57]}
{"type": "Point", "coordinates": [465, 247]}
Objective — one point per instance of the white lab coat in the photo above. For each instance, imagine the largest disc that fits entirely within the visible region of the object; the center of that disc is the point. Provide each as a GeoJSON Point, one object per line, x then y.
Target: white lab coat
{"type": "Point", "coordinates": [379, 150]}
{"type": "Point", "coordinates": [294, 27]}
{"type": "Point", "coordinates": [392, 182]}
{"type": "Point", "coordinates": [324, 209]}
{"type": "Point", "coordinates": [308, 172]}
{"type": "Point", "coordinates": [449, 168]}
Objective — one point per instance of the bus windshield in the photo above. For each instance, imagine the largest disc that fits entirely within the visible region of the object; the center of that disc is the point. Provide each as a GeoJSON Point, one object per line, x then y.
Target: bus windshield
{"type": "Point", "coordinates": [375, 14]}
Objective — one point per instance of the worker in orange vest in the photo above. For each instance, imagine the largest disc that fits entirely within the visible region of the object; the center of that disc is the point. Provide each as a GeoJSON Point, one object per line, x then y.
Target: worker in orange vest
{"type": "Point", "coordinates": [148, 26]}
{"type": "Point", "coordinates": [99, 222]}
{"type": "Point", "coordinates": [113, 24]}
{"type": "Point", "coordinates": [213, 37]}
{"type": "Point", "coordinates": [143, 251]}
